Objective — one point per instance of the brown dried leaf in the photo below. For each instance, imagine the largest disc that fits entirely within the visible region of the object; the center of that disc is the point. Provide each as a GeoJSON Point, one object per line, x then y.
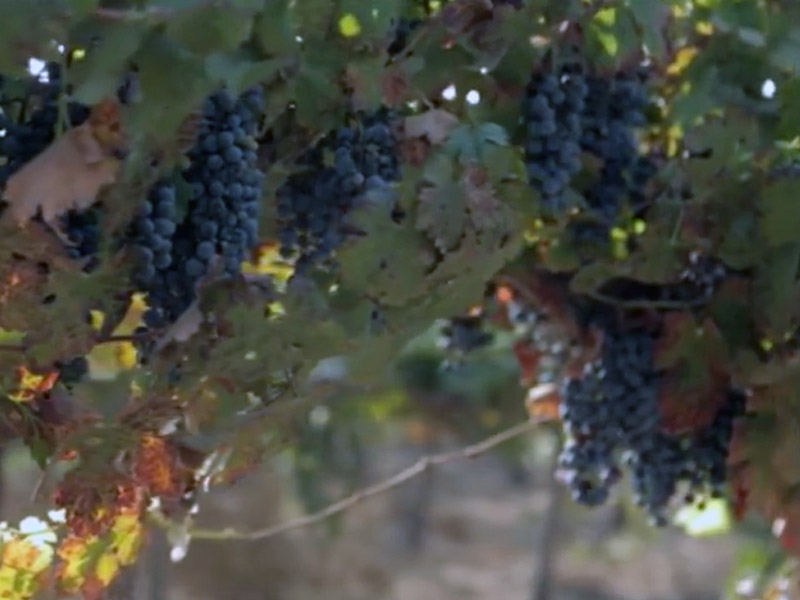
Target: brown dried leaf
{"type": "Point", "coordinates": [394, 87]}
{"type": "Point", "coordinates": [543, 401]}
{"type": "Point", "coordinates": [67, 175]}
{"type": "Point", "coordinates": [528, 359]}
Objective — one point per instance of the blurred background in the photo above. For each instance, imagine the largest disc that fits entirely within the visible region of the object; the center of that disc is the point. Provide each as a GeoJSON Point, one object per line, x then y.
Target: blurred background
{"type": "Point", "coordinates": [497, 526]}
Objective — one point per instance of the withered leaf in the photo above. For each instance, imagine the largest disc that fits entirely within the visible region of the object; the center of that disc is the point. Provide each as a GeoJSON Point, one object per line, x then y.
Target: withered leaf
{"type": "Point", "coordinates": [67, 175]}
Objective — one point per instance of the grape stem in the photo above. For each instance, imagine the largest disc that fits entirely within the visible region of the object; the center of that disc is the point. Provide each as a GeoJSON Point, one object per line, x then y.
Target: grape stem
{"type": "Point", "coordinates": [423, 465]}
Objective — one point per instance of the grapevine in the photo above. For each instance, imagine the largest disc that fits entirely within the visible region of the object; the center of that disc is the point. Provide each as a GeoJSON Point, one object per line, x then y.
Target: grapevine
{"type": "Point", "coordinates": [216, 220]}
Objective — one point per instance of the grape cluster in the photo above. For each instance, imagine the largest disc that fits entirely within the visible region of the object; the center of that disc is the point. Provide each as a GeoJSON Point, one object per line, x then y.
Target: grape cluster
{"type": "Point", "coordinates": [552, 112]}
{"type": "Point", "coordinates": [567, 113]}
{"type": "Point", "coordinates": [347, 164]}
{"type": "Point", "coordinates": [221, 220]}
{"type": "Point", "coordinates": [612, 420]}
{"type": "Point", "coordinates": [613, 407]}
{"type": "Point", "coordinates": [82, 229]}
{"type": "Point", "coordinates": [614, 109]}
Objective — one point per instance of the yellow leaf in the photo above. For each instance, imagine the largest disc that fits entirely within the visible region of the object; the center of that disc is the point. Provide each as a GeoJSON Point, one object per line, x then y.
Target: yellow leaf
{"type": "Point", "coordinates": [127, 538]}
{"type": "Point", "coordinates": [16, 585]}
{"type": "Point", "coordinates": [683, 58]}
{"type": "Point", "coordinates": [127, 355]}
{"type": "Point", "coordinates": [22, 555]}
{"type": "Point", "coordinates": [107, 568]}
{"type": "Point", "coordinates": [349, 25]}
{"type": "Point", "coordinates": [74, 554]}
{"type": "Point", "coordinates": [607, 16]}
{"type": "Point", "coordinates": [98, 318]}
{"type": "Point", "coordinates": [609, 42]}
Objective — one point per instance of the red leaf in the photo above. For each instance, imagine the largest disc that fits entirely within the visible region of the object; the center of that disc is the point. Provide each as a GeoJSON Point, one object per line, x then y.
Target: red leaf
{"type": "Point", "coordinates": [528, 359]}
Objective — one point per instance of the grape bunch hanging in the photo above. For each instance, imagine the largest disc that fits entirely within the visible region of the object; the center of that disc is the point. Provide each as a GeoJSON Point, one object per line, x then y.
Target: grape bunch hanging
{"type": "Point", "coordinates": [613, 423]}
{"type": "Point", "coordinates": [176, 249]}
{"type": "Point", "coordinates": [350, 164]}
{"type": "Point", "coordinates": [568, 113]}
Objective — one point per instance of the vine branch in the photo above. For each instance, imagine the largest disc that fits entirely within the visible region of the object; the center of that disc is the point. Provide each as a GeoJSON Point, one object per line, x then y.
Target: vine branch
{"type": "Point", "coordinates": [418, 468]}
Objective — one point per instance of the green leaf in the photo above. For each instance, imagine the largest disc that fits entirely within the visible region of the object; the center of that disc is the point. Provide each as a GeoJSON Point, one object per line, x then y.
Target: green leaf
{"type": "Point", "coordinates": [26, 29]}
{"type": "Point", "coordinates": [780, 212]}
{"type": "Point", "coordinates": [208, 28]}
{"type": "Point", "coordinates": [388, 264]}
{"type": "Point", "coordinates": [441, 214]}
{"type": "Point", "coordinates": [111, 44]}
{"type": "Point", "coordinates": [787, 54]}
{"type": "Point", "coordinates": [173, 83]}
{"type": "Point", "coordinates": [651, 16]}
{"type": "Point", "coordinates": [775, 295]}
{"type": "Point", "coordinates": [274, 29]}
{"type": "Point", "coordinates": [365, 75]}
{"type": "Point", "coordinates": [789, 95]}
{"type": "Point", "coordinates": [315, 91]}
{"type": "Point", "coordinates": [591, 277]}
{"type": "Point", "coordinates": [238, 71]}
{"type": "Point", "coordinates": [469, 142]}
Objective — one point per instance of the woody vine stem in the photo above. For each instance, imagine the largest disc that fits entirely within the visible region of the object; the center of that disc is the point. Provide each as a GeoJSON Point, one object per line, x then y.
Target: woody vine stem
{"type": "Point", "coordinates": [421, 466]}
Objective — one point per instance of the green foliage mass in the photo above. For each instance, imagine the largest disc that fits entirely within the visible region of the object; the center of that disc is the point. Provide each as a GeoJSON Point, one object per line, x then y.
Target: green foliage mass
{"type": "Point", "coordinates": [248, 360]}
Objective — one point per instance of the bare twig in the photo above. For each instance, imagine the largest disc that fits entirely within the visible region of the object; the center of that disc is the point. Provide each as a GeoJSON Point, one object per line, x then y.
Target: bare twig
{"type": "Point", "coordinates": [421, 466]}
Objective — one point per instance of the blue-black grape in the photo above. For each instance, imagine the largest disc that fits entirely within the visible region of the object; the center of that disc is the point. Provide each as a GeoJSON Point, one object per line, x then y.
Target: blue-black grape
{"type": "Point", "coordinates": [613, 423]}
{"type": "Point", "coordinates": [552, 108]}
{"type": "Point", "coordinates": [221, 219]}
{"type": "Point", "coordinates": [614, 110]}
{"type": "Point", "coordinates": [313, 203]}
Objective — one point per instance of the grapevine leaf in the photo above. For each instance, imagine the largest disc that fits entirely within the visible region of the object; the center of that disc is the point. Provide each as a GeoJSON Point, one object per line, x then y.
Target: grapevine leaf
{"type": "Point", "coordinates": [25, 31]}
{"type": "Point", "coordinates": [99, 74]}
{"type": "Point", "coordinates": [787, 54]}
{"type": "Point", "coordinates": [651, 16]}
{"type": "Point", "coordinates": [173, 83]}
{"type": "Point", "coordinates": [435, 125]}
{"type": "Point", "coordinates": [469, 142]}
{"type": "Point", "coordinates": [388, 263]}
{"type": "Point", "coordinates": [696, 349]}
{"type": "Point", "coordinates": [591, 277]}
{"type": "Point", "coordinates": [364, 77]}
{"type": "Point", "coordinates": [789, 95]}
{"type": "Point", "coordinates": [780, 212]}
{"type": "Point", "coordinates": [238, 71]}
{"type": "Point", "coordinates": [314, 90]}
{"type": "Point", "coordinates": [274, 30]}
{"type": "Point", "coordinates": [441, 213]}
{"type": "Point", "coordinates": [208, 28]}
{"type": "Point", "coordinates": [775, 292]}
